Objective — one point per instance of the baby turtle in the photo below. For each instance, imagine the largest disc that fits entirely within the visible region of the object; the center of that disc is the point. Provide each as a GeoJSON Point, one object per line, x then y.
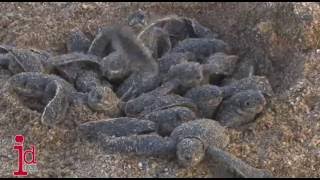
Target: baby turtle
{"type": "Point", "coordinates": [77, 42]}
{"type": "Point", "coordinates": [84, 72]}
{"type": "Point", "coordinates": [189, 142]}
{"type": "Point", "coordinates": [137, 84]}
{"type": "Point", "coordinates": [138, 60]}
{"type": "Point", "coordinates": [178, 28]}
{"type": "Point", "coordinates": [23, 60]}
{"type": "Point", "coordinates": [201, 47]}
{"type": "Point", "coordinates": [137, 18]}
{"type": "Point", "coordinates": [241, 108]}
{"type": "Point", "coordinates": [220, 65]}
{"type": "Point", "coordinates": [52, 93]}
{"type": "Point", "coordinates": [207, 98]}
{"type": "Point", "coordinates": [183, 76]}
{"type": "Point", "coordinates": [170, 59]}
{"type": "Point", "coordinates": [168, 119]}
{"type": "Point", "coordinates": [122, 39]}
{"type": "Point", "coordinates": [115, 67]}
{"type": "Point", "coordinates": [260, 83]}
{"type": "Point", "coordinates": [148, 102]}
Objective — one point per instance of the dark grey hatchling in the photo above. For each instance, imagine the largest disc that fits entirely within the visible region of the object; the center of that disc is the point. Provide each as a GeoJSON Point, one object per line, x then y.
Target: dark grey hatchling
{"type": "Point", "coordinates": [49, 94]}
{"type": "Point", "coordinates": [190, 143]}
{"type": "Point", "coordinates": [83, 71]}
{"type": "Point", "coordinates": [219, 66]}
{"type": "Point", "coordinates": [52, 95]}
{"type": "Point", "coordinates": [259, 83]}
{"type": "Point", "coordinates": [150, 102]}
{"type": "Point", "coordinates": [137, 18]}
{"type": "Point", "coordinates": [178, 28]}
{"type": "Point", "coordinates": [16, 60]}
{"type": "Point", "coordinates": [202, 48]}
{"type": "Point", "coordinates": [125, 58]}
{"type": "Point", "coordinates": [207, 98]}
{"type": "Point", "coordinates": [241, 108]}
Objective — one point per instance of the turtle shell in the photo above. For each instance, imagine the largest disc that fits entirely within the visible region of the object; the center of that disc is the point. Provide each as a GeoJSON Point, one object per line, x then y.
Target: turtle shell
{"type": "Point", "coordinates": [260, 83]}
{"type": "Point", "coordinates": [210, 132]}
{"type": "Point", "coordinates": [50, 90]}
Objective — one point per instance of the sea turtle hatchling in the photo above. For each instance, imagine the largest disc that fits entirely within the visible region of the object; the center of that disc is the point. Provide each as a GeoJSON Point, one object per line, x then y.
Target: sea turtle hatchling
{"type": "Point", "coordinates": [190, 143]}
{"type": "Point", "coordinates": [202, 48]}
{"type": "Point", "coordinates": [168, 119]}
{"type": "Point", "coordinates": [53, 95]}
{"type": "Point", "coordinates": [207, 98]}
{"type": "Point", "coordinates": [170, 59]}
{"type": "Point", "coordinates": [137, 84]}
{"type": "Point", "coordinates": [260, 83]}
{"type": "Point", "coordinates": [220, 66]}
{"type": "Point", "coordinates": [183, 76]}
{"type": "Point", "coordinates": [23, 60]}
{"type": "Point", "coordinates": [150, 102]}
{"type": "Point", "coordinates": [241, 108]}
{"type": "Point", "coordinates": [84, 72]}
{"type": "Point", "coordinates": [178, 28]}
{"type": "Point", "coordinates": [136, 61]}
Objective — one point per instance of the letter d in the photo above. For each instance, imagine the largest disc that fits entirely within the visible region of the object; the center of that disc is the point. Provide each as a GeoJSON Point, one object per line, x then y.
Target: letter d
{"type": "Point", "coordinates": [33, 155]}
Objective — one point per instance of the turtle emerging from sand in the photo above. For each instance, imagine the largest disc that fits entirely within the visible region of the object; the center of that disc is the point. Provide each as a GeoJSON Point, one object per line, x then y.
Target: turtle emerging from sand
{"type": "Point", "coordinates": [190, 143]}
{"type": "Point", "coordinates": [52, 95]}
{"type": "Point", "coordinates": [16, 60]}
{"type": "Point", "coordinates": [84, 72]}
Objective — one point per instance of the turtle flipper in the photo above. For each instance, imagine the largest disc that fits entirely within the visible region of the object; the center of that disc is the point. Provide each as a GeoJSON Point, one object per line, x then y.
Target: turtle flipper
{"type": "Point", "coordinates": [141, 145]}
{"type": "Point", "coordinates": [234, 166]}
{"type": "Point", "coordinates": [57, 107]}
{"type": "Point", "coordinates": [102, 44]}
{"type": "Point", "coordinates": [118, 127]}
{"type": "Point", "coordinates": [160, 43]}
{"type": "Point", "coordinates": [78, 42]}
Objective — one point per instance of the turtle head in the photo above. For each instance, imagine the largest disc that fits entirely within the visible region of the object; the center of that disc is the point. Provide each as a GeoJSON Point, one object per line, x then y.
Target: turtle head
{"type": "Point", "coordinates": [102, 99]}
{"type": "Point", "coordinates": [137, 18]}
{"type": "Point", "coordinates": [252, 101]}
{"type": "Point", "coordinates": [190, 152]}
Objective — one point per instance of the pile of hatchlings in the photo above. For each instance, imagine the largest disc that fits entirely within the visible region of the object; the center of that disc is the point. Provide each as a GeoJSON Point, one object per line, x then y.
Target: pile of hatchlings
{"type": "Point", "coordinates": [168, 90]}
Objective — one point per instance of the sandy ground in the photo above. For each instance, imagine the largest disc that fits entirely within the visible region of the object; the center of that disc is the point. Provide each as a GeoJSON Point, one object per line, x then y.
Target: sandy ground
{"type": "Point", "coordinates": [285, 138]}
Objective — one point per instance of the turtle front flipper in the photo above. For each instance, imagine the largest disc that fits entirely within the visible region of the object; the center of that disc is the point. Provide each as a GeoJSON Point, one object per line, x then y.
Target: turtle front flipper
{"type": "Point", "coordinates": [232, 166]}
{"type": "Point", "coordinates": [57, 107]}
{"type": "Point", "coordinates": [159, 43]}
{"type": "Point", "coordinates": [101, 46]}
{"type": "Point", "coordinates": [141, 145]}
{"type": "Point", "coordinates": [117, 127]}
{"type": "Point", "coordinates": [78, 42]}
